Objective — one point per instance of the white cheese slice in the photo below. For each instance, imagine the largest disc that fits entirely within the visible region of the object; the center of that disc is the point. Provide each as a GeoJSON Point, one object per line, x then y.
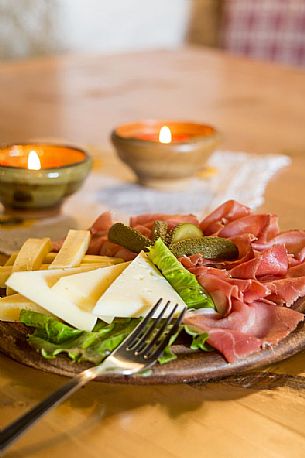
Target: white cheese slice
{"type": "Point", "coordinates": [37, 286]}
{"type": "Point", "coordinates": [84, 289]}
{"type": "Point", "coordinates": [11, 306]}
{"type": "Point", "coordinates": [135, 291]}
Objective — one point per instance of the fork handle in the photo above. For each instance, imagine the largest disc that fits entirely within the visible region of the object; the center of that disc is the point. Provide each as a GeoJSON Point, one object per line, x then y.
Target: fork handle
{"type": "Point", "coordinates": [18, 427]}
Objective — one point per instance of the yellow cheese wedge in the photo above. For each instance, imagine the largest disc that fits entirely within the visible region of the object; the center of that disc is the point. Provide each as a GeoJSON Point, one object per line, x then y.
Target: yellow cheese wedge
{"type": "Point", "coordinates": [11, 306]}
{"type": "Point", "coordinates": [84, 289]}
{"type": "Point", "coordinates": [37, 287]}
{"type": "Point", "coordinates": [6, 271]}
{"type": "Point", "coordinates": [73, 250]}
{"type": "Point", "coordinates": [30, 256]}
{"type": "Point", "coordinates": [135, 291]}
{"type": "Point", "coordinates": [10, 261]}
{"type": "Point", "coordinates": [87, 259]}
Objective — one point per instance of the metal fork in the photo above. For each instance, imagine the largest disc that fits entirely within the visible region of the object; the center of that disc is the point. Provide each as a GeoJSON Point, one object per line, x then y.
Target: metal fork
{"type": "Point", "coordinates": [136, 353]}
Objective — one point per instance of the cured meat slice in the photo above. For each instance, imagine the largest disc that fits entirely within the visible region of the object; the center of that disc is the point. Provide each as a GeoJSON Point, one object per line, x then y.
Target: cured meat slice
{"type": "Point", "coordinates": [273, 261]}
{"type": "Point", "coordinates": [263, 227]}
{"type": "Point", "coordinates": [244, 326]}
{"type": "Point", "coordinates": [233, 345]}
{"type": "Point", "coordinates": [297, 271]}
{"type": "Point", "coordinates": [222, 215]}
{"type": "Point", "coordinates": [143, 229]}
{"type": "Point", "coordinates": [102, 224]}
{"type": "Point", "coordinates": [112, 249]}
{"type": "Point", "coordinates": [251, 290]}
{"type": "Point", "coordinates": [294, 241]}
{"type": "Point", "coordinates": [286, 291]}
{"type": "Point", "coordinates": [221, 291]}
{"type": "Point", "coordinates": [99, 231]}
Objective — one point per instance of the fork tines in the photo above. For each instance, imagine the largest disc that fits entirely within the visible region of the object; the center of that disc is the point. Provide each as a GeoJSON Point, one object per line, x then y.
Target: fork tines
{"type": "Point", "coordinates": [152, 337]}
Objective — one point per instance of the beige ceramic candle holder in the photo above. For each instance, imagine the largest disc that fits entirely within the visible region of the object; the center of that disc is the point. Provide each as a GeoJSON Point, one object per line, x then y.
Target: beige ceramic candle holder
{"type": "Point", "coordinates": [162, 165]}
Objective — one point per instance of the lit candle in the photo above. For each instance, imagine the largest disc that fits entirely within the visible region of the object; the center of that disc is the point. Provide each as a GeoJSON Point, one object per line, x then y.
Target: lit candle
{"type": "Point", "coordinates": [165, 135]}
{"type": "Point", "coordinates": [33, 161]}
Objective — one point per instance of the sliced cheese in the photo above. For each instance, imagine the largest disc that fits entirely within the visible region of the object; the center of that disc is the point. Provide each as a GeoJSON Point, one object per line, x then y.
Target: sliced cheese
{"type": "Point", "coordinates": [84, 289]}
{"type": "Point", "coordinates": [135, 291]}
{"type": "Point", "coordinates": [6, 271]}
{"type": "Point", "coordinates": [87, 259]}
{"type": "Point", "coordinates": [73, 250]}
{"type": "Point", "coordinates": [30, 256]}
{"type": "Point", "coordinates": [37, 287]}
{"type": "Point", "coordinates": [11, 306]}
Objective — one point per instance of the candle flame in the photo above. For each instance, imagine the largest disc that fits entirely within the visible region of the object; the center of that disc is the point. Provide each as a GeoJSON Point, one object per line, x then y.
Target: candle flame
{"type": "Point", "coordinates": [165, 135]}
{"type": "Point", "coordinates": [33, 161]}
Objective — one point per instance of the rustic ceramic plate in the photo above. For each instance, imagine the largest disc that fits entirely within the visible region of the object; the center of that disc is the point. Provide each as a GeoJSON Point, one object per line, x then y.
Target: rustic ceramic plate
{"type": "Point", "coordinates": [188, 367]}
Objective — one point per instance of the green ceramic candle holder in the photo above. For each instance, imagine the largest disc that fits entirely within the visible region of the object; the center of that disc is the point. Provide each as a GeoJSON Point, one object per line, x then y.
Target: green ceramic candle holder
{"type": "Point", "coordinates": [40, 192]}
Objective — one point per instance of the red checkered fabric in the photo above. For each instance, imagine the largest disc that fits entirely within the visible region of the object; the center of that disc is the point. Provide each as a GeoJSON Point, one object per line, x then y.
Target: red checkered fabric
{"type": "Point", "coordinates": [266, 29]}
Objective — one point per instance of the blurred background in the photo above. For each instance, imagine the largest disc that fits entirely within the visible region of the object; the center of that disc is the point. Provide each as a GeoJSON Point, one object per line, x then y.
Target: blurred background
{"type": "Point", "coordinates": [265, 29]}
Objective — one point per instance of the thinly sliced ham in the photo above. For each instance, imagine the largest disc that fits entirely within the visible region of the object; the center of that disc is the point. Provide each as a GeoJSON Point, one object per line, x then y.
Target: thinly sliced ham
{"type": "Point", "coordinates": [102, 224]}
{"type": "Point", "coordinates": [272, 262]}
{"type": "Point", "coordinates": [99, 231]}
{"type": "Point", "coordinates": [221, 291]}
{"type": "Point", "coordinates": [223, 288]}
{"type": "Point", "coordinates": [250, 290]}
{"type": "Point", "coordinates": [143, 230]}
{"type": "Point", "coordinates": [294, 241]}
{"type": "Point", "coordinates": [246, 323]}
{"type": "Point", "coordinates": [262, 227]}
{"type": "Point", "coordinates": [286, 291]}
{"type": "Point", "coordinates": [297, 271]}
{"type": "Point", "coordinates": [112, 249]}
{"type": "Point", "coordinates": [222, 215]}
{"type": "Point", "coordinates": [233, 345]}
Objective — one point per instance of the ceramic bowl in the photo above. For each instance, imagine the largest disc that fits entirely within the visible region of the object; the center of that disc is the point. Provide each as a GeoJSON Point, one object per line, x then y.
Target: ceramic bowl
{"type": "Point", "coordinates": [42, 191]}
{"type": "Point", "coordinates": [158, 164]}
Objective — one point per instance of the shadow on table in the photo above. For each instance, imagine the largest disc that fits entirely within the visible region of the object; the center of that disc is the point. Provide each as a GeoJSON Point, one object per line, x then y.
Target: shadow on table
{"type": "Point", "coordinates": [98, 402]}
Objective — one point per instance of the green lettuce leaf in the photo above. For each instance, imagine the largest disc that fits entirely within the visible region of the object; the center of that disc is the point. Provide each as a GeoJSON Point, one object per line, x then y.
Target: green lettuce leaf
{"type": "Point", "coordinates": [49, 328]}
{"type": "Point", "coordinates": [168, 354]}
{"type": "Point", "coordinates": [51, 337]}
{"type": "Point", "coordinates": [183, 281]}
{"type": "Point", "coordinates": [198, 339]}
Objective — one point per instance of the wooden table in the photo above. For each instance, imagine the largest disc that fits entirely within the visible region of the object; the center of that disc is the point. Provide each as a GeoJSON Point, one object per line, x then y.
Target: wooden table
{"type": "Point", "coordinates": [259, 108]}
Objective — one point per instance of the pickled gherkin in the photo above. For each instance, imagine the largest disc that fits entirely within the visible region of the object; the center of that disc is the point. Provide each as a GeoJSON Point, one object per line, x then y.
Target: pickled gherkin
{"type": "Point", "coordinates": [185, 231]}
{"type": "Point", "coordinates": [128, 237]}
{"type": "Point", "coordinates": [210, 247]}
{"type": "Point", "coordinates": [159, 229]}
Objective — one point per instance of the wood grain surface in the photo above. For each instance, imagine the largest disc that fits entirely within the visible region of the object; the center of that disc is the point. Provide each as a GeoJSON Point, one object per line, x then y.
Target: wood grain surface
{"type": "Point", "coordinates": [259, 108]}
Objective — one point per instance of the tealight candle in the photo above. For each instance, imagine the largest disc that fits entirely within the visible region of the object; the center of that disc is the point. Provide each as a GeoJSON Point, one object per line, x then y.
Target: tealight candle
{"type": "Point", "coordinates": [162, 153]}
{"type": "Point", "coordinates": [35, 178]}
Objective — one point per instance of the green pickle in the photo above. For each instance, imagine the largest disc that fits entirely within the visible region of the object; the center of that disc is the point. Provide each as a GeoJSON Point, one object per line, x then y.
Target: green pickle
{"type": "Point", "coordinates": [128, 237]}
{"type": "Point", "coordinates": [185, 231]}
{"type": "Point", "coordinates": [159, 229]}
{"type": "Point", "coordinates": [209, 247]}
